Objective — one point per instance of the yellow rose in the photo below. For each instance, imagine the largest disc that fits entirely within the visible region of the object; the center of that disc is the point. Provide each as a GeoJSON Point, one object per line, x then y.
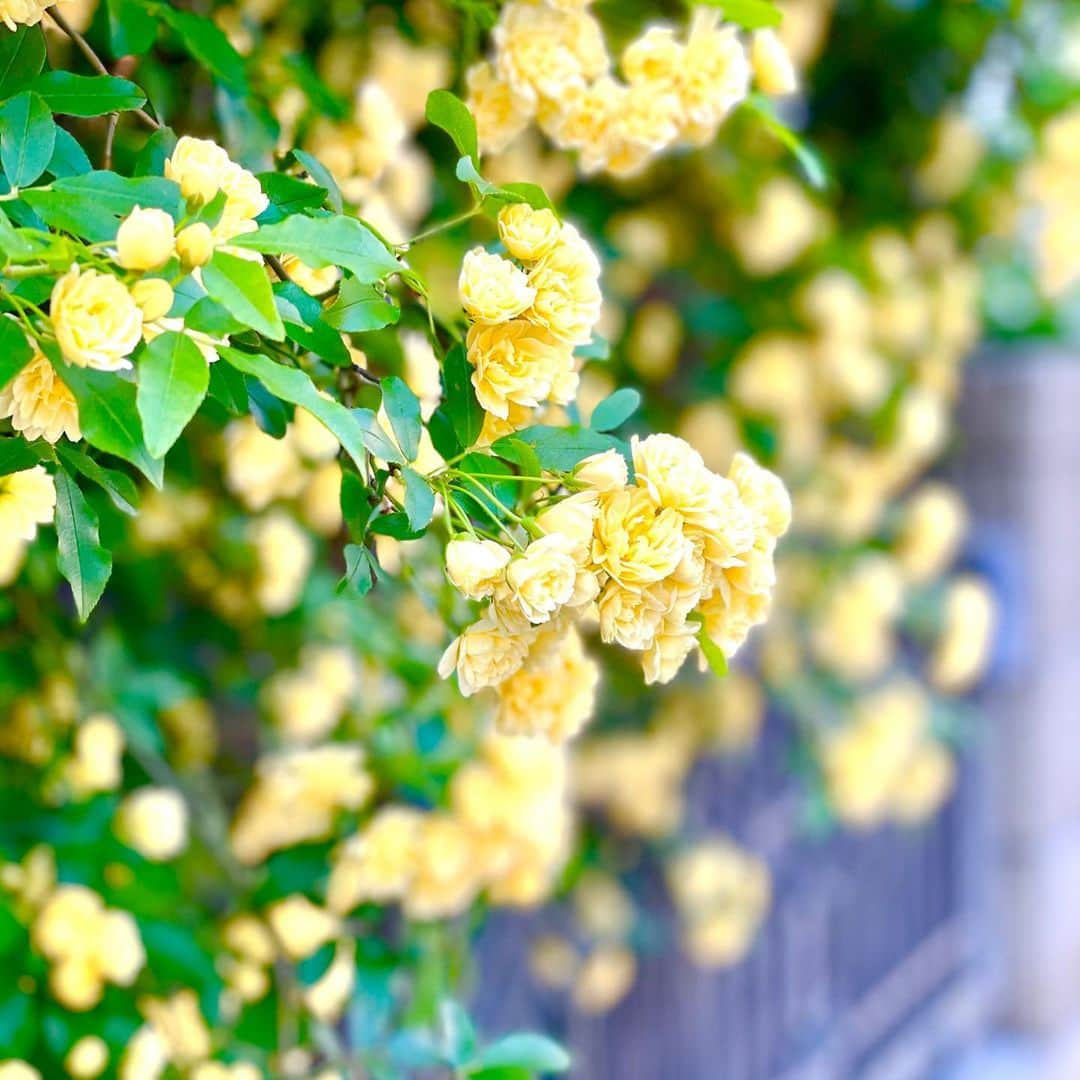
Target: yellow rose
{"type": "Point", "coordinates": [16, 1070]}
{"type": "Point", "coordinates": [485, 655]}
{"type": "Point", "coordinates": [515, 363]}
{"type": "Point", "coordinates": [300, 926]}
{"type": "Point", "coordinates": [39, 405]}
{"type": "Point", "coordinates": [528, 234]}
{"type": "Point", "coordinates": [602, 472]}
{"type": "Point", "coordinates": [313, 281]}
{"type": "Point", "coordinates": [446, 877]}
{"type": "Point", "coordinates": [198, 166]}
{"type": "Point", "coordinates": [86, 1059]}
{"type": "Point", "coordinates": [16, 13]}
{"type": "Point", "coordinates": [195, 245]}
{"type": "Point", "coordinates": [636, 541]}
{"type": "Point", "coordinates": [144, 240]}
{"type": "Point", "coordinates": [27, 500]}
{"type": "Point", "coordinates": [493, 289]}
{"type": "Point", "coordinates": [154, 297]}
{"type": "Point", "coordinates": [97, 323]}
{"type": "Point", "coordinates": [377, 863]}
{"type": "Point", "coordinates": [154, 821]}
{"type": "Point", "coordinates": [542, 579]}
{"type": "Point", "coordinates": [475, 567]}
{"type": "Point", "coordinates": [501, 113]}
{"type": "Point", "coordinates": [774, 72]}
{"type": "Point", "coordinates": [566, 285]}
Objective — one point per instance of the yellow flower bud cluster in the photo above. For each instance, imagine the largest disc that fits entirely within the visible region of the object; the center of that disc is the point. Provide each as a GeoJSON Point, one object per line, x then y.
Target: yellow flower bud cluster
{"type": "Point", "coordinates": [1050, 186]}
{"type": "Point", "coordinates": [296, 796]}
{"type": "Point", "coordinates": [506, 830]}
{"type": "Point", "coordinates": [551, 65]}
{"type": "Point", "coordinates": [884, 764]}
{"type": "Point", "coordinates": [87, 944]}
{"type": "Point", "coordinates": [527, 313]}
{"type": "Point", "coordinates": [642, 557]}
{"type": "Point", "coordinates": [722, 895]}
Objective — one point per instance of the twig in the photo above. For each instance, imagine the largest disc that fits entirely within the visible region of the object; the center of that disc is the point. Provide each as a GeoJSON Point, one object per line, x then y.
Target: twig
{"type": "Point", "coordinates": [275, 264]}
{"type": "Point", "coordinates": [110, 137]}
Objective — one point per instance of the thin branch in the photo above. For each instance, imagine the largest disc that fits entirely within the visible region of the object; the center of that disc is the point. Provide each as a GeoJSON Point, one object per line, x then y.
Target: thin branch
{"type": "Point", "coordinates": [110, 138]}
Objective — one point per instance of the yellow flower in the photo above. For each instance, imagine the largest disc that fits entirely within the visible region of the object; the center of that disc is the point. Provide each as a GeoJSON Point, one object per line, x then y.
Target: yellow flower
{"type": "Point", "coordinates": [377, 863]}
{"type": "Point", "coordinates": [970, 618]}
{"type": "Point", "coordinates": [16, 13]}
{"type": "Point", "coordinates": [27, 499]}
{"type": "Point", "coordinates": [636, 541]}
{"type": "Point", "coordinates": [97, 323]}
{"type": "Point", "coordinates": [86, 1059]}
{"type": "Point", "coordinates": [195, 245]}
{"type": "Point", "coordinates": [486, 654]}
{"type": "Point", "coordinates": [714, 77]}
{"type": "Point", "coordinates": [283, 557]}
{"type": "Point", "coordinates": [11, 1069]}
{"type": "Point", "coordinates": [144, 240]}
{"type": "Point", "coordinates": [933, 528]}
{"type": "Point", "coordinates": [493, 289]}
{"type": "Point", "coordinates": [566, 284]}
{"type": "Point", "coordinates": [446, 876]}
{"type": "Point", "coordinates": [763, 493]}
{"type": "Point", "coordinates": [515, 364]}
{"type": "Point", "coordinates": [178, 1023]}
{"type": "Point", "coordinates": [541, 580]}
{"type": "Point", "coordinates": [87, 945]}
{"type": "Point", "coordinates": [154, 821]}
{"type": "Point", "coordinates": [476, 567]}
{"type": "Point", "coordinates": [39, 404]}
{"type": "Point", "coordinates": [202, 169]}
{"type": "Point", "coordinates": [662, 660]}
{"type": "Point", "coordinates": [96, 762]}
{"type": "Point", "coordinates": [554, 693]}
{"type": "Point", "coordinates": [501, 113]}
{"type": "Point", "coordinates": [154, 297]}
{"type": "Point", "coordinates": [925, 784]}
{"type": "Point", "coordinates": [654, 58]}
{"type": "Point", "coordinates": [602, 472]}
{"type": "Point", "coordinates": [528, 234]}
{"type": "Point", "coordinates": [327, 997]}
{"type": "Point", "coordinates": [301, 927]}
{"type": "Point", "coordinates": [604, 979]}
{"type": "Point", "coordinates": [774, 73]}
{"type": "Point", "coordinates": [258, 467]}
{"type": "Point", "coordinates": [313, 281]}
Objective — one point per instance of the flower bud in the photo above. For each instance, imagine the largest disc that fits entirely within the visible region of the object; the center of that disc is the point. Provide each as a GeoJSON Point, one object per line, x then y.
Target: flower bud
{"type": "Point", "coordinates": [195, 244]}
{"type": "Point", "coordinates": [153, 297]}
{"type": "Point", "coordinates": [144, 240]}
{"type": "Point", "coordinates": [154, 821]}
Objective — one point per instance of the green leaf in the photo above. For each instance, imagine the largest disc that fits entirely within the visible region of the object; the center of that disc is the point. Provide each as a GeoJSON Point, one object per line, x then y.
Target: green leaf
{"type": "Point", "coordinates": [749, 14]}
{"type": "Point", "coordinates": [322, 176]}
{"type": "Point", "coordinates": [22, 56]}
{"type": "Point", "coordinates": [108, 416]}
{"type": "Point", "coordinates": [522, 191]}
{"type": "Point", "coordinates": [359, 308]}
{"type": "Point", "coordinates": [615, 409]}
{"type": "Point", "coordinates": [459, 1035]}
{"type": "Point", "coordinates": [92, 205]}
{"type": "Point", "coordinates": [335, 240]}
{"type": "Point", "coordinates": [173, 378]}
{"type": "Point", "coordinates": [15, 351]}
{"type": "Point", "coordinates": [359, 569]}
{"type": "Point", "coordinates": [132, 29]}
{"type": "Point", "coordinates": [465, 412]}
{"type": "Point", "coordinates": [207, 44]}
{"type": "Point", "coordinates": [467, 172]}
{"type": "Point", "coordinates": [16, 455]}
{"type": "Point", "coordinates": [447, 111]}
{"type": "Point", "coordinates": [419, 500]}
{"type": "Point", "coordinates": [243, 289]}
{"type": "Point", "coordinates": [288, 195]}
{"type": "Point", "coordinates": [712, 653]}
{"type": "Point", "coordinates": [811, 163]}
{"type": "Point", "coordinates": [524, 1050]}
{"type": "Point", "coordinates": [396, 525]}
{"type": "Point", "coordinates": [403, 411]}
{"type": "Point", "coordinates": [82, 560]}
{"type": "Point", "coordinates": [353, 428]}
{"type": "Point", "coordinates": [69, 158]}
{"type": "Point", "coordinates": [27, 138]}
{"type": "Point", "coordinates": [356, 507]}
{"type": "Point", "coordinates": [18, 1023]}
{"type": "Point", "coordinates": [87, 95]}
{"type": "Point", "coordinates": [117, 485]}
{"type": "Point", "coordinates": [561, 449]}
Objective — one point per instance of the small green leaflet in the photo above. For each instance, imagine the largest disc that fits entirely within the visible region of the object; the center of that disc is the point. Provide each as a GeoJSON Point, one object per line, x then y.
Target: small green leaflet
{"type": "Point", "coordinates": [173, 378]}
{"type": "Point", "coordinates": [15, 350]}
{"type": "Point", "coordinates": [132, 29]}
{"type": "Point", "coordinates": [465, 412]}
{"type": "Point", "coordinates": [322, 176]}
{"type": "Point", "coordinates": [69, 158]}
{"type": "Point", "coordinates": [615, 409]}
{"type": "Point", "coordinates": [360, 308]}
{"type": "Point", "coordinates": [359, 569]}
{"type": "Point", "coordinates": [22, 56]}
{"type": "Point", "coordinates": [82, 560]}
{"type": "Point", "coordinates": [207, 44]}
{"type": "Point", "coordinates": [419, 500]}
{"type": "Point", "coordinates": [561, 449]}
{"type": "Point", "coordinates": [355, 429]}
{"type": "Point", "coordinates": [403, 411]}
{"type": "Point", "coordinates": [749, 14]}
{"type": "Point", "coordinates": [324, 241]}
{"type": "Point", "coordinates": [117, 485]}
{"type": "Point", "coordinates": [87, 95]}
{"type": "Point", "coordinates": [811, 164]}
{"type": "Point", "coordinates": [16, 455]}
{"type": "Point", "coordinates": [27, 138]}
{"type": "Point", "coordinates": [242, 288]}
{"type": "Point", "coordinates": [447, 111]}
{"type": "Point", "coordinates": [523, 1050]}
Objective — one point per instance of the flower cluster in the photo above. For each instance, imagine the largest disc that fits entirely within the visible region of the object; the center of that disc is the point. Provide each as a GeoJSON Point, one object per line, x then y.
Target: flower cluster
{"type": "Point", "coordinates": [527, 314]}
{"type": "Point", "coordinates": [551, 65]}
{"type": "Point", "coordinates": [679, 552]}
